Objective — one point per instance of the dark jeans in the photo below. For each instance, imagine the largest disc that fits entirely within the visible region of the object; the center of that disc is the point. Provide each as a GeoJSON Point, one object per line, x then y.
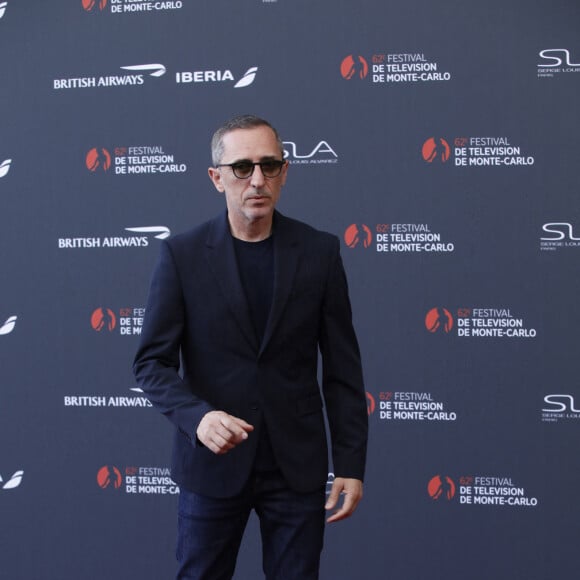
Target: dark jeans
{"type": "Point", "coordinates": [292, 527]}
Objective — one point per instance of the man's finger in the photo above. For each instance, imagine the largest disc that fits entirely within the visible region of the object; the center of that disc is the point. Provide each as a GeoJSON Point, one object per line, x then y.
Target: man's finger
{"type": "Point", "coordinates": [351, 490]}
{"type": "Point", "coordinates": [235, 429]}
{"type": "Point", "coordinates": [332, 498]}
{"type": "Point", "coordinates": [220, 432]}
{"type": "Point", "coordinates": [345, 510]}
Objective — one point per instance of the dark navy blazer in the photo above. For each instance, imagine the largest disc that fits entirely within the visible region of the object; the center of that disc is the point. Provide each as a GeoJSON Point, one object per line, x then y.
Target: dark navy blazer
{"type": "Point", "coordinates": [199, 352]}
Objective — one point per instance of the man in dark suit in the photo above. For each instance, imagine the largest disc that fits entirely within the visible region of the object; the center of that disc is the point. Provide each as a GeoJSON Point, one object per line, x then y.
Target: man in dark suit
{"type": "Point", "coordinates": [243, 304]}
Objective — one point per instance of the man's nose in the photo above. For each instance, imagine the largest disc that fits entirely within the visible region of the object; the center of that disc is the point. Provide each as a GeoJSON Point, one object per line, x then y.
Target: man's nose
{"type": "Point", "coordinates": [258, 178]}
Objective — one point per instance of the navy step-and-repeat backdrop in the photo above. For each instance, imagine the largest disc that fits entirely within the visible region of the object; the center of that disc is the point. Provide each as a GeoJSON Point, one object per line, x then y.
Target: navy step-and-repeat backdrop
{"type": "Point", "coordinates": [438, 140]}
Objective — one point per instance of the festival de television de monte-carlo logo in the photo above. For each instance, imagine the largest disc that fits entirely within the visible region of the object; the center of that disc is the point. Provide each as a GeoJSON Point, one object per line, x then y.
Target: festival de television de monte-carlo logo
{"type": "Point", "coordinates": [137, 480]}
{"type": "Point", "coordinates": [131, 6]}
{"type": "Point", "coordinates": [384, 69]}
{"type": "Point", "coordinates": [490, 491]}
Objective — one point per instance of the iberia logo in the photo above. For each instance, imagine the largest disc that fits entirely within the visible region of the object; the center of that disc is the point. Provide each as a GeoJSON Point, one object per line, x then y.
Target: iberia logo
{"type": "Point", "coordinates": [438, 319]}
{"type": "Point", "coordinates": [356, 234]}
{"type": "Point", "coordinates": [5, 165]}
{"type": "Point", "coordinates": [98, 158]}
{"type": "Point", "coordinates": [14, 481]}
{"type": "Point", "coordinates": [441, 486]}
{"type": "Point", "coordinates": [91, 5]}
{"type": "Point", "coordinates": [353, 66]}
{"type": "Point", "coordinates": [435, 149]}
{"type": "Point", "coordinates": [109, 476]}
{"type": "Point", "coordinates": [9, 325]}
{"type": "Point", "coordinates": [371, 404]}
{"type": "Point", "coordinates": [103, 318]}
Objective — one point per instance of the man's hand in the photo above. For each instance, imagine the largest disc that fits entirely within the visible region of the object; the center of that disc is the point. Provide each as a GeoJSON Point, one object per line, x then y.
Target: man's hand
{"type": "Point", "coordinates": [352, 490]}
{"type": "Point", "coordinates": [220, 432]}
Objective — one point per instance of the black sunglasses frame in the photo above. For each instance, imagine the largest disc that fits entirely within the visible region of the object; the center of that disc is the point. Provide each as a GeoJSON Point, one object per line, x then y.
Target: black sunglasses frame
{"type": "Point", "coordinates": [246, 165]}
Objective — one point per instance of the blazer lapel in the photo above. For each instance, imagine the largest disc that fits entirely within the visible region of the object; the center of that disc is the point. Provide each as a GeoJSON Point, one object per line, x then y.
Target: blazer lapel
{"type": "Point", "coordinates": [221, 259]}
{"type": "Point", "coordinates": [286, 253]}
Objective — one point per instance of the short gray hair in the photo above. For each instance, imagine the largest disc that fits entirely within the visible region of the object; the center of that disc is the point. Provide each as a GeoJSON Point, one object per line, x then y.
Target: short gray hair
{"type": "Point", "coordinates": [239, 122]}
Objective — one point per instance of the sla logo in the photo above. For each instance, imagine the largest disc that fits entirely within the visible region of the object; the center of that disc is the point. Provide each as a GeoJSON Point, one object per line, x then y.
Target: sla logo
{"type": "Point", "coordinates": [3, 8]}
{"type": "Point", "coordinates": [441, 487]}
{"type": "Point", "coordinates": [560, 404]}
{"type": "Point", "coordinates": [439, 319]}
{"type": "Point", "coordinates": [560, 235]}
{"type": "Point", "coordinates": [9, 325]}
{"type": "Point", "coordinates": [91, 5]}
{"type": "Point", "coordinates": [562, 231]}
{"type": "Point", "coordinates": [356, 234]}
{"type": "Point", "coordinates": [98, 157]}
{"type": "Point", "coordinates": [354, 66]}
{"type": "Point", "coordinates": [371, 404]}
{"type": "Point", "coordinates": [322, 153]}
{"type": "Point", "coordinates": [14, 481]}
{"type": "Point", "coordinates": [103, 318]}
{"type": "Point", "coordinates": [109, 476]}
{"type": "Point", "coordinates": [562, 60]}
{"type": "Point", "coordinates": [435, 149]}
{"type": "Point", "coordinates": [5, 165]}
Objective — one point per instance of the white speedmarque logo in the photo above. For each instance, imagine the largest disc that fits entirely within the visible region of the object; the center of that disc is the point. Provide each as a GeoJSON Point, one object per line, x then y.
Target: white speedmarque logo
{"type": "Point", "coordinates": [3, 8]}
{"type": "Point", "coordinates": [5, 165]}
{"type": "Point", "coordinates": [14, 481]}
{"type": "Point", "coordinates": [8, 326]}
{"type": "Point", "coordinates": [161, 231]}
{"type": "Point", "coordinates": [158, 69]}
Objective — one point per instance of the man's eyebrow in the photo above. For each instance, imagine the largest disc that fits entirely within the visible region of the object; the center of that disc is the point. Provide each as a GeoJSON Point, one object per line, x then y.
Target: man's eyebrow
{"type": "Point", "coordinates": [265, 158]}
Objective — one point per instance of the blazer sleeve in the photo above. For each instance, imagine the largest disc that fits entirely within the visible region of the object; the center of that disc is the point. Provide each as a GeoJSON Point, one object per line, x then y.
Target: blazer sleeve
{"type": "Point", "coordinates": [156, 364]}
{"type": "Point", "coordinates": [342, 378]}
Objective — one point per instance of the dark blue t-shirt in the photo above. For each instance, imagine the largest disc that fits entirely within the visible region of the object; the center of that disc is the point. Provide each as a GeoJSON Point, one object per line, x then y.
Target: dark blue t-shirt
{"type": "Point", "coordinates": [256, 267]}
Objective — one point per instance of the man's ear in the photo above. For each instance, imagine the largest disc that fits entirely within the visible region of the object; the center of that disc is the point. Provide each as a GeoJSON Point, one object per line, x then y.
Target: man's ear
{"type": "Point", "coordinates": [285, 171]}
{"type": "Point", "coordinates": [216, 178]}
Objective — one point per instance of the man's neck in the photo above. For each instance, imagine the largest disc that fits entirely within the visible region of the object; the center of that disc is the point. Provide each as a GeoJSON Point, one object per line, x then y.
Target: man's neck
{"type": "Point", "coordinates": [255, 231]}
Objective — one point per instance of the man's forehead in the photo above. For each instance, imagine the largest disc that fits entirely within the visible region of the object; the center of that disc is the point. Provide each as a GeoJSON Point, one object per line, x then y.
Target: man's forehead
{"type": "Point", "coordinates": [259, 141]}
